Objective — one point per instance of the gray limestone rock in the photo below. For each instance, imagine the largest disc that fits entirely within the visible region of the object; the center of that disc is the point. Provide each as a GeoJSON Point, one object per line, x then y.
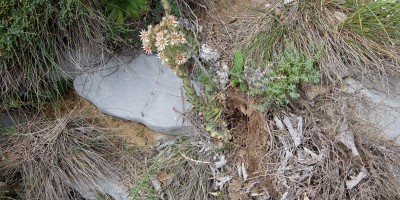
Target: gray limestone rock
{"type": "Point", "coordinates": [12, 118]}
{"type": "Point", "coordinates": [213, 59]}
{"type": "Point", "coordinates": [139, 89]}
{"type": "Point", "coordinates": [377, 107]}
{"type": "Point", "coordinates": [91, 191]}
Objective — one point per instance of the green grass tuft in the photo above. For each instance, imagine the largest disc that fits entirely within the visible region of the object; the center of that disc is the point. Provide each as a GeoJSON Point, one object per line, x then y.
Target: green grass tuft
{"type": "Point", "coordinates": [376, 20]}
{"type": "Point", "coordinates": [35, 36]}
{"type": "Point", "coordinates": [357, 38]}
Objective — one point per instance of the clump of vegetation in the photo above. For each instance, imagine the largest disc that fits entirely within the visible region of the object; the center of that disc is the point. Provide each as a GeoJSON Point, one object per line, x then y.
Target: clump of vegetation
{"type": "Point", "coordinates": [184, 169]}
{"type": "Point", "coordinates": [173, 49]}
{"type": "Point", "coordinates": [278, 82]}
{"type": "Point", "coordinates": [358, 38]}
{"type": "Point", "coordinates": [292, 68]}
{"type": "Point", "coordinates": [376, 20]}
{"type": "Point", "coordinates": [48, 159]}
{"type": "Point", "coordinates": [35, 37]}
{"type": "Point", "coordinates": [237, 72]}
{"type": "Point", "coordinates": [119, 10]}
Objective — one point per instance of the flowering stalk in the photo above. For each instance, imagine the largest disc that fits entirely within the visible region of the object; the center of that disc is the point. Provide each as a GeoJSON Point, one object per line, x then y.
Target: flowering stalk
{"type": "Point", "coordinates": [169, 41]}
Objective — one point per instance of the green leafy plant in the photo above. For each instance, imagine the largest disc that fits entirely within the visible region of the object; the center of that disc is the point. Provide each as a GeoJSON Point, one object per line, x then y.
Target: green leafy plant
{"type": "Point", "coordinates": [237, 72]}
{"type": "Point", "coordinates": [119, 10]}
{"type": "Point", "coordinates": [291, 69]}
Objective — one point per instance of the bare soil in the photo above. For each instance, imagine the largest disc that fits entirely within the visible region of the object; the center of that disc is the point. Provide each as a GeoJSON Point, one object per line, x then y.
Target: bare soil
{"type": "Point", "coordinates": [132, 132]}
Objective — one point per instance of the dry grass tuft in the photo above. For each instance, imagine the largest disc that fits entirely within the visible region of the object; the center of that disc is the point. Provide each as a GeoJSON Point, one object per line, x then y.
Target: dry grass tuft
{"type": "Point", "coordinates": [185, 168]}
{"type": "Point", "coordinates": [48, 157]}
{"type": "Point", "coordinates": [356, 39]}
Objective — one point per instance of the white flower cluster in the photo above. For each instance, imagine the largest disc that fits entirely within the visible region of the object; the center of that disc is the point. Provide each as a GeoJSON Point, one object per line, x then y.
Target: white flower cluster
{"type": "Point", "coordinates": [167, 39]}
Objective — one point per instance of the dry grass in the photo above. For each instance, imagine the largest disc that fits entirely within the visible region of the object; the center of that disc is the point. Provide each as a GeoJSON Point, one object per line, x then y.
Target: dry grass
{"type": "Point", "coordinates": [276, 165]}
{"type": "Point", "coordinates": [48, 157]}
{"type": "Point", "coordinates": [224, 24]}
{"type": "Point", "coordinates": [183, 168]}
{"type": "Point", "coordinates": [378, 154]}
{"type": "Point", "coordinates": [335, 28]}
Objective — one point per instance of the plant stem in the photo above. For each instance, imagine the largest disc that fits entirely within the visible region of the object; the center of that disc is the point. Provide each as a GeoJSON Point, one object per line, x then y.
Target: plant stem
{"type": "Point", "coordinates": [167, 7]}
{"type": "Point", "coordinates": [211, 111]}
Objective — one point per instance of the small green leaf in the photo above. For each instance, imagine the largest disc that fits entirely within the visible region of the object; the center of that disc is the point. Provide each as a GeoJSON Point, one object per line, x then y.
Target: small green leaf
{"type": "Point", "coordinates": [235, 82]}
{"type": "Point", "coordinates": [243, 86]}
{"type": "Point", "coordinates": [239, 60]}
{"type": "Point", "coordinates": [133, 13]}
{"type": "Point", "coordinates": [238, 63]}
{"type": "Point", "coordinates": [120, 17]}
{"type": "Point", "coordinates": [294, 95]}
{"type": "Point", "coordinates": [133, 5]}
{"type": "Point", "coordinates": [113, 15]}
{"type": "Point", "coordinates": [141, 2]}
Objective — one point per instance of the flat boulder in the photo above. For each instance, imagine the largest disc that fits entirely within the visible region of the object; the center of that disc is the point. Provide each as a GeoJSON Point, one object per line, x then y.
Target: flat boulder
{"type": "Point", "coordinates": [138, 89]}
{"type": "Point", "coordinates": [376, 107]}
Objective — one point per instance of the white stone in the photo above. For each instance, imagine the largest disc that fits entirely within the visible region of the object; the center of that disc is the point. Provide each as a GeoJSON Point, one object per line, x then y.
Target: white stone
{"type": "Point", "coordinates": [139, 89]}
{"type": "Point", "coordinates": [287, 1]}
{"type": "Point", "coordinates": [209, 54]}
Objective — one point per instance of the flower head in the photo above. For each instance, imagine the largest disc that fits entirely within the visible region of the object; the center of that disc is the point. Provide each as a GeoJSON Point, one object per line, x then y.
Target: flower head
{"type": "Point", "coordinates": [150, 29]}
{"type": "Point", "coordinates": [161, 42]}
{"type": "Point", "coordinates": [147, 48]}
{"type": "Point", "coordinates": [144, 36]}
{"type": "Point", "coordinates": [165, 39]}
{"type": "Point", "coordinates": [171, 20]}
{"type": "Point", "coordinates": [174, 38]}
{"type": "Point", "coordinates": [180, 58]}
{"type": "Point", "coordinates": [181, 38]}
{"type": "Point", "coordinates": [157, 28]}
{"type": "Point", "coordinates": [161, 55]}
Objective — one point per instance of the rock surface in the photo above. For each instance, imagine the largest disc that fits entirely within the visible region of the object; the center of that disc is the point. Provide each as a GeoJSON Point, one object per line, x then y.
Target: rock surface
{"type": "Point", "coordinates": [213, 59]}
{"type": "Point", "coordinates": [377, 107]}
{"type": "Point", "coordinates": [91, 191]}
{"type": "Point", "coordinates": [139, 89]}
{"type": "Point", "coordinates": [12, 118]}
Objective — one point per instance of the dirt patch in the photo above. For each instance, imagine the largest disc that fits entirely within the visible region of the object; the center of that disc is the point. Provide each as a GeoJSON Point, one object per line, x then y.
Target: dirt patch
{"type": "Point", "coordinates": [225, 24]}
{"type": "Point", "coordinates": [251, 133]}
{"type": "Point", "coordinates": [132, 132]}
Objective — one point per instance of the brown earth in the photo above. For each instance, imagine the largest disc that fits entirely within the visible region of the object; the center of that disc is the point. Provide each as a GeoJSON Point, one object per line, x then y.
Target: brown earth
{"type": "Point", "coordinates": [228, 22]}
{"type": "Point", "coordinates": [250, 132]}
{"type": "Point", "coordinates": [132, 132]}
